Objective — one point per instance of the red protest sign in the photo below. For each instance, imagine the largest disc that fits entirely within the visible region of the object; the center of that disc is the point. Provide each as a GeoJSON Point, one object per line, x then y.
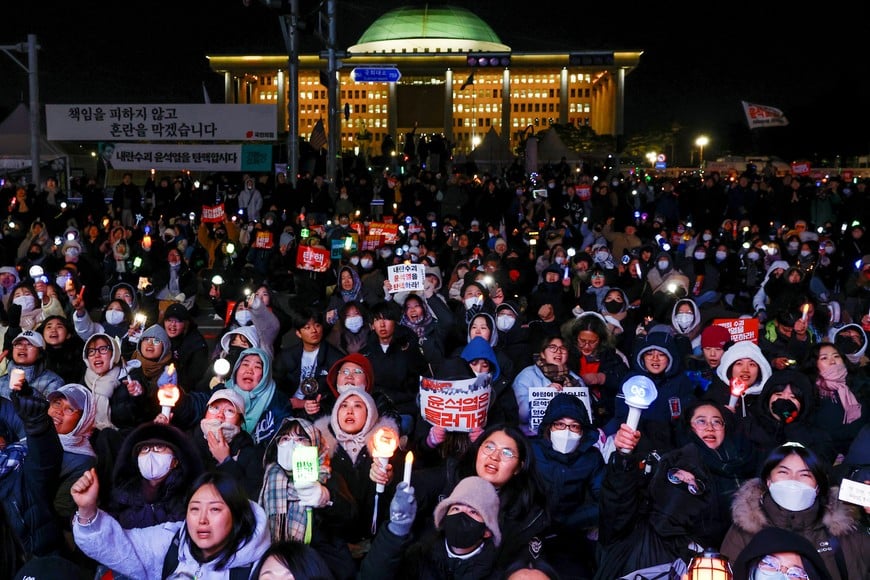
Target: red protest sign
{"type": "Point", "coordinates": [312, 259]}
{"type": "Point", "coordinates": [456, 405]}
{"type": "Point", "coordinates": [264, 240]}
{"type": "Point", "coordinates": [740, 329]}
{"type": "Point", "coordinates": [213, 213]}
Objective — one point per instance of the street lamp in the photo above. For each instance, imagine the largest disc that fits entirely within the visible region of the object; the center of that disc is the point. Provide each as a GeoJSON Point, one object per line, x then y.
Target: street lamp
{"type": "Point", "coordinates": [651, 157]}
{"type": "Point", "coordinates": [701, 142]}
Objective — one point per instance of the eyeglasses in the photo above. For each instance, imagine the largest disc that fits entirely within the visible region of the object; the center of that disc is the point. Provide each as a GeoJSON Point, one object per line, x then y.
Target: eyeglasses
{"type": "Point", "coordinates": [561, 426]}
{"type": "Point", "coordinates": [489, 449]}
{"type": "Point", "coordinates": [702, 423]}
{"type": "Point", "coordinates": [154, 448]}
{"type": "Point", "coordinates": [58, 405]}
{"type": "Point", "coordinates": [98, 349]}
{"type": "Point", "coordinates": [153, 340]}
{"type": "Point", "coordinates": [348, 372]}
{"type": "Point", "coordinates": [696, 488]}
{"type": "Point", "coordinates": [592, 342]}
{"type": "Point", "coordinates": [23, 344]}
{"type": "Point", "coordinates": [294, 438]}
{"type": "Point", "coordinates": [773, 564]}
{"type": "Point", "coordinates": [555, 348]}
{"type": "Point", "coordinates": [228, 413]}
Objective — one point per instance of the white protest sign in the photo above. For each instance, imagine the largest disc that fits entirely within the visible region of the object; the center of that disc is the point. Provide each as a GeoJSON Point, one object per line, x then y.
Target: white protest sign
{"type": "Point", "coordinates": [540, 397]}
{"type": "Point", "coordinates": [456, 405]}
{"type": "Point", "coordinates": [406, 277]}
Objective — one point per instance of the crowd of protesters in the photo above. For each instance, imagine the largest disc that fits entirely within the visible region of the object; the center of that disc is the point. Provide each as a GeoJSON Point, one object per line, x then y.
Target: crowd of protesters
{"type": "Point", "coordinates": [131, 446]}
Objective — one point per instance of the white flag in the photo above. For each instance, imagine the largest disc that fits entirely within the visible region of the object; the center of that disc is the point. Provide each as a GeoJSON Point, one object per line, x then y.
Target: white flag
{"type": "Point", "coordinates": [763, 116]}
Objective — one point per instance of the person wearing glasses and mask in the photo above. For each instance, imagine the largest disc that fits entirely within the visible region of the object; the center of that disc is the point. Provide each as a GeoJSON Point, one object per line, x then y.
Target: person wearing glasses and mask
{"type": "Point", "coordinates": [222, 444]}
{"type": "Point", "coordinates": [550, 370]}
{"type": "Point", "coordinates": [572, 469]}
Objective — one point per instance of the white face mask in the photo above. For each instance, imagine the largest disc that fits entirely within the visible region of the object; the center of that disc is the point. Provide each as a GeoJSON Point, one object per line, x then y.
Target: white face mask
{"type": "Point", "coordinates": [155, 465]}
{"type": "Point", "coordinates": [114, 316]}
{"type": "Point", "coordinates": [285, 455]}
{"type": "Point", "coordinates": [753, 256]}
{"type": "Point", "coordinates": [663, 264]}
{"type": "Point", "coordinates": [560, 259]}
{"type": "Point", "coordinates": [366, 263]}
{"type": "Point", "coordinates": [721, 255]}
{"type": "Point", "coordinates": [25, 302]}
{"type": "Point", "coordinates": [353, 323]}
{"type": "Point", "coordinates": [354, 260]}
{"type": "Point", "coordinates": [700, 255]}
{"type": "Point", "coordinates": [71, 253]}
{"type": "Point", "coordinates": [793, 246]}
{"type": "Point", "coordinates": [471, 302]}
{"type": "Point", "coordinates": [564, 441]}
{"type": "Point", "coordinates": [805, 253]}
{"type": "Point", "coordinates": [707, 237]}
{"type": "Point", "coordinates": [601, 256]}
{"type": "Point", "coordinates": [684, 320]}
{"type": "Point", "coordinates": [505, 322]}
{"type": "Point", "coordinates": [792, 495]}
{"type": "Point", "coordinates": [269, 222]}
{"type": "Point", "coordinates": [228, 430]}
{"type": "Point", "coordinates": [243, 317]}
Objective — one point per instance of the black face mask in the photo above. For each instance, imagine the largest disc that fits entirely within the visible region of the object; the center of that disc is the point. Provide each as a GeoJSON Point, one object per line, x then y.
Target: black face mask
{"type": "Point", "coordinates": [462, 531]}
{"type": "Point", "coordinates": [613, 306]}
{"type": "Point", "coordinates": [233, 354]}
{"type": "Point", "coordinates": [847, 345]}
{"type": "Point", "coordinates": [785, 410]}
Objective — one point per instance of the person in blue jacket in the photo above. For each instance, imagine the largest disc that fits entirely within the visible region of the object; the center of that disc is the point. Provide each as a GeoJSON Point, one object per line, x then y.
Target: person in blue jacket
{"type": "Point", "coordinates": [572, 470]}
{"type": "Point", "coordinates": [657, 358]}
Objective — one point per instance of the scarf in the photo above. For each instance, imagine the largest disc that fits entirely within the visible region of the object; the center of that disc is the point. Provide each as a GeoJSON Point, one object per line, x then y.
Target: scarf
{"type": "Point", "coordinates": [281, 502]}
{"type": "Point", "coordinates": [353, 293]}
{"type": "Point", "coordinates": [353, 443]}
{"type": "Point", "coordinates": [103, 387]}
{"type": "Point", "coordinates": [152, 369]}
{"type": "Point", "coordinates": [556, 373]}
{"type": "Point", "coordinates": [174, 287]}
{"type": "Point", "coordinates": [419, 328]}
{"type": "Point", "coordinates": [832, 384]}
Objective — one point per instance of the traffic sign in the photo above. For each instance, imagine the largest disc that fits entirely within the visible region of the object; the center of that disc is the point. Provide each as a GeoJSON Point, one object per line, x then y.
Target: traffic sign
{"type": "Point", "coordinates": [375, 74]}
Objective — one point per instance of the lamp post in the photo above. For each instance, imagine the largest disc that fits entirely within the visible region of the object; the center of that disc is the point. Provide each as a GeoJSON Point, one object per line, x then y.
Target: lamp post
{"type": "Point", "coordinates": [701, 142]}
{"type": "Point", "coordinates": [31, 68]}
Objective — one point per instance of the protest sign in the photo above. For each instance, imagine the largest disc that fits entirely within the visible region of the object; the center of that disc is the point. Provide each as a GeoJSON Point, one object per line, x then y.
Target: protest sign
{"type": "Point", "coordinates": [740, 329]}
{"type": "Point", "coordinates": [312, 259]}
{"type": "Point", "coordinates": [456, 405]}
{"type": "Point", "coordinates": [406, 277]}
{"type": "Point", "coordinates": [213, 214]}
{"type": "Point", "coordinates": [540, 397]}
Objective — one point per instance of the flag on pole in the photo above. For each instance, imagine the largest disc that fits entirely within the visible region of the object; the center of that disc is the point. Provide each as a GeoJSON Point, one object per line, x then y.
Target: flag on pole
{"type": "Point", "coordinates": [318, 136]}
{"type": "Point", "coordinates": [763, 116]}
{"type": "Point", "coordinates": [468, 81]}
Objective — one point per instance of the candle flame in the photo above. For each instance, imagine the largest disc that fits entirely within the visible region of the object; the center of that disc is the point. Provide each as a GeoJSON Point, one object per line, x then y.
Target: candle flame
{"type": "Point", "coordinates": [384, 443]}
{"type": "Point", "coordinates": [738, 387]}
{"type": "Point", "coordinates": [170, 370]}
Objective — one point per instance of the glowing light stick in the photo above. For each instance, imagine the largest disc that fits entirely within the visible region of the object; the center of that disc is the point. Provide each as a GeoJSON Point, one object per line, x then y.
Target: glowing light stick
{"type": "Point", "coordinates": [738, 387]}
{"type": "Point", "coordinates": [409, 462]}
{"type": "Point", "coordinates": [639, 392]}
{"type": "Point", "coordinates": [384, 444]}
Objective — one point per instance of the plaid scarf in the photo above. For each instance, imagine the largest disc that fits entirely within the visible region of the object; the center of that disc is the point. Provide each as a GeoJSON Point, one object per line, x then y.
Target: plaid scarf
{"type": "Point", "coordinates": [556, 373]}
{"type": "Point", "coordinates": [279, 498]}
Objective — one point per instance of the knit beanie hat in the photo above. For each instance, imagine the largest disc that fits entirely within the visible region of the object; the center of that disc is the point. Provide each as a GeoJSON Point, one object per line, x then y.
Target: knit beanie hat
{"type": "Point", "coordinates": [477, 493]}
{"type": "Point", "coordinates": [715, 336]}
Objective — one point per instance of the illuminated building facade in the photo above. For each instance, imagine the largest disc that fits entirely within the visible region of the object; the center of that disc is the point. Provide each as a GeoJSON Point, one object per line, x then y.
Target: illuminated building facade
{"type": "Point", "coordinates": [431, 47]}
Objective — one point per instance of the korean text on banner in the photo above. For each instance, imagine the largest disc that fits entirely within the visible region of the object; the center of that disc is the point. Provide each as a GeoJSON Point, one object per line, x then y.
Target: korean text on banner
{"type": "Point", "coordinates": [213, 214]}
{"type": "Point", "coordinates": [312, 259]}
{"type": "Point", "coordinates": [406, 277]}
{"type": "Point", "coordinates": [456, 405]}
{"type": "Point", "coordinates": [740, 329]}
{"type": "Point", "coordinates": [540, 397]}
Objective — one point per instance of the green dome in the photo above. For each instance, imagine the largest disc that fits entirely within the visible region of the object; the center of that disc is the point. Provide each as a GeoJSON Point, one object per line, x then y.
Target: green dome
{"type": "Point", "coordinates": [429, 29]}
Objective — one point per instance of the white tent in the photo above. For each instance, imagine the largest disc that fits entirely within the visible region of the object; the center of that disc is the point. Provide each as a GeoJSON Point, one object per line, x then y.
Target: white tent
{"type": "Point", "coordinates": [15, 142]}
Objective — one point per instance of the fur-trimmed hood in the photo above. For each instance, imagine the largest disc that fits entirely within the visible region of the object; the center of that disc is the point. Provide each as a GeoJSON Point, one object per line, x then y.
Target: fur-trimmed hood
{"type": "Point", "coordinates": [753, 510]}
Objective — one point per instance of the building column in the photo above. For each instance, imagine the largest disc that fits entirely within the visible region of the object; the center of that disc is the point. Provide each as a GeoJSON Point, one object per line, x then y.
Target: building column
{"type": "Point", "coordinates": [283, 116]}
{"type": "Point", "coordinates": [448, 105]}
{"type": "Point", "coordinates": [563, 97]}
{"type": "Point", "coordinates": [229, 89]}
{"type": "Point", "coordinates": [393, 117]}
{"type": "Point", "coordinates": [506, 107]}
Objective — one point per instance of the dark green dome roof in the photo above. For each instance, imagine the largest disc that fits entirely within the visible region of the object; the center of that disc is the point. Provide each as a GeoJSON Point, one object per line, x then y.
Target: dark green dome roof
{"type": "Point", "coordinates": [429, 29]}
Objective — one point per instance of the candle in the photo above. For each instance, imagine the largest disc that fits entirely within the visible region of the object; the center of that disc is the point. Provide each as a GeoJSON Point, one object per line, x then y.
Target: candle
{"type": "Point", "coordinates": [146, 242]}
{"type": "Point", "coordinates": [805, 309]}
{"type": "Point", "coordinates": [384, 442]}
{"type": "Point", "coordinates": [637, 269]}
{"type": "Point", "coordinates": [738, 387]}
{"type": "Point", "coordinates": [168, 396]}
{"type": "Point", "coordinates": [409, 462]}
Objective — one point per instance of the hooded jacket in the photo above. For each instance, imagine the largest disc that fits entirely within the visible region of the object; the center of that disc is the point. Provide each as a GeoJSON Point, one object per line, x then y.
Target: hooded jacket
{"type": "Point", "coordinates": [127, 502]}
{"type": "Point", "coordinates": [767, 432]}
{"type": "Point", "coordinates": [265, 406]}
{"type": "Point", "coordinates": [720, 389]}
{"type": "Point", "coordinates": [675, 392]}
{"type": "Point", "coordinates": [776, 540]}
{"type": "Point", "coordinates": [753, 510]}
{"type": "Point", "coordinates": [572, 480]}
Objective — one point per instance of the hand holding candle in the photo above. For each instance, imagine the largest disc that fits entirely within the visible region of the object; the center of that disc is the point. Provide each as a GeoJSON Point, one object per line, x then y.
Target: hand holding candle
{"type": "Point", "coordinates": [168, 392]}
{"type": "Point", "coordinates": [16, 379]}
{"type": "Point", "coordinates": [805, 309]}
{"type": "Point", "coordinates": [384, 443]}
{"type": "Point", "coordinates": [738, 387]}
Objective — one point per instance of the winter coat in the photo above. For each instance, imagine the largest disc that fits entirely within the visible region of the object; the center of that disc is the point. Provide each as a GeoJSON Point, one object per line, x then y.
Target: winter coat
{"type": "Point", "coordinates": [190, 355]}
{"type": "Point", "coordinates": [397, 371]}
{"type": "Point", "coordinates": [289, 373]}
{"type": "Point", "coordinates": [37, 376]}
{"type": "Point", "coordinates": [675, 392]}
{"type": "Point", "coordinates": [502, 405]}
{"type": "Point", "coordinates": [127, 501]}
{"type": "Point", "coordinates": [753, 510]}
{"type": "Point", "coordinates": [393, 556]}
{"type": "Point", "coordinates": [140, 553]}
{"type": "Point", "coordinates": [244, 462]}
{"type": "Point", "coordinates": [530, 378]}
{"type": "Point", "coordinates": [603, 397]}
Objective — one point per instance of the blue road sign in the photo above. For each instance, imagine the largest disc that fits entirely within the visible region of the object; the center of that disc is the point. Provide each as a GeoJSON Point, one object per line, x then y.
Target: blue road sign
{"type": "Point", "coordinates": [375, 74]}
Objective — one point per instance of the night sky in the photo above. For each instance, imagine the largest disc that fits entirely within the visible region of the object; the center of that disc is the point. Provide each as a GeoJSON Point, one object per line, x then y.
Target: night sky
{"type": "Point", "coordinates": [696, 68]}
